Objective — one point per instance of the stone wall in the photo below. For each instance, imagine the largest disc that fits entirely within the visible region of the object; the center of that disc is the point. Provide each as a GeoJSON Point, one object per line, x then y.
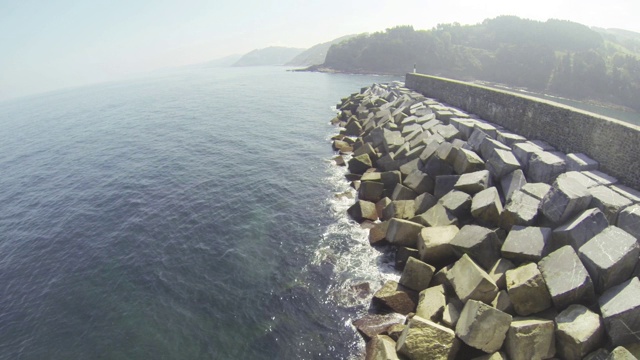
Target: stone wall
{"type": "Point", "coordinates": [614, 144]}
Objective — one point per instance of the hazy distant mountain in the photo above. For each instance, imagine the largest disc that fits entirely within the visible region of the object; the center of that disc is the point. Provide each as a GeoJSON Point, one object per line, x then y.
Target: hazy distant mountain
{"type": "Point", "coordinates": [316, 54]}
{"type": "Point", "coordinates": [274, 55]}
{"type": "Point", "coordinates": [221, 62]}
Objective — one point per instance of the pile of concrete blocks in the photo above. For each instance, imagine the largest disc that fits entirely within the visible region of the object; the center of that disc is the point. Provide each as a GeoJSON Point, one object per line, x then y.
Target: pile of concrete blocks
{"type": "Point", "coordinates": [508, 249]}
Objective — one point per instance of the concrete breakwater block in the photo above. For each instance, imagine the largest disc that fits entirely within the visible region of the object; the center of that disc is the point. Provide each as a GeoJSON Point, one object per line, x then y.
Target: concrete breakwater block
{"type": "Point", "coordinates": [610, 257]}
{"type": "Point", "coordinates": [579, 332]}
{"type": "Point", "coordinates": [527, 290]}
{"type": "Point", "coordinates": [567, 279]}
{"type": "Point", "coordinates": [482, 326]}
{"type": "Point", "coordinates": [480, 243]}
{"type": "Point", "coordinates": [424, 339]}
{"type": "Point", "coordinates": [531, 338]}
{"type": "Point", "coordinates": [565, 199]}
{"type": "Point", "coordinates": [620, 308]}
{"type": "Point", "coordinates": [487, 225]}
{"type": "Point", "coordinates": [470, 282]}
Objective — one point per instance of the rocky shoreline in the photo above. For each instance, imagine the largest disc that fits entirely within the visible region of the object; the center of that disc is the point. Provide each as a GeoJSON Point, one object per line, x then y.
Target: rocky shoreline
{"type": "Point", "coordinates": [508, 249]}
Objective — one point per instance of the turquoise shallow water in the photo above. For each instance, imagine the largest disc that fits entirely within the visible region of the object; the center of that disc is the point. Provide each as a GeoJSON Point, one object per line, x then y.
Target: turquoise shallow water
{"type": "Point", "coordinates": [187, 215]}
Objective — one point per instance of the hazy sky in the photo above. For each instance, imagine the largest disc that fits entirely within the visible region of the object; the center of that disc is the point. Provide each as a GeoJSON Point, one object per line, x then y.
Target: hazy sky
{"type": "Point", "coordinates": [51, 44]}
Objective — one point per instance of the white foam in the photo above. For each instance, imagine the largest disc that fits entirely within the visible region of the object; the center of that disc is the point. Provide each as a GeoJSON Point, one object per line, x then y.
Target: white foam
{"type": "Point", "coordinates": [346, 246]}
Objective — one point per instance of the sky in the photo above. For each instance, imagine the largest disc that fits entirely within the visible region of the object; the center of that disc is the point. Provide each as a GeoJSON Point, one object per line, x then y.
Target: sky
{"type": "Point", "coordinates": [52, 44]}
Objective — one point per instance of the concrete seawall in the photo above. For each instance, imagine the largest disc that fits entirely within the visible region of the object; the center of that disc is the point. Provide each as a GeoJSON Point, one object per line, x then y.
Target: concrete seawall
{"type": "Point", "coordinates": [614, 144]}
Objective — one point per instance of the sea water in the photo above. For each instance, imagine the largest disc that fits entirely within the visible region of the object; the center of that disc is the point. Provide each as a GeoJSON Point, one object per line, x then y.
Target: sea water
{"type": "Point", "coordinates": [190, 214]}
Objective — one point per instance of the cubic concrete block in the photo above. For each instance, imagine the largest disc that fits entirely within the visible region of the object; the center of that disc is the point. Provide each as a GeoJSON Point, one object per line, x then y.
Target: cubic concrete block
{"type": "Point", "coordinates": [410, 166]}
{"type": "Point", "coordinates": [419, 182]}
{"type": "Point", "coordinates": [396, 297]}
{"type": "Point", "coordinates": [524, 244]}
{"type": "Point", "coordinates": [435, 167]}
{"type": "Point", "coordinates": [629, 220]}
{"type": "Point", "coordinates": [629, 193]}
{"type": "Point", "coordinates": [440, 278]}
{"type": "Point", "coordinates": [457, 203]}
{"type": "Point", "coordinates": [371, 325]}
{"type": "Point", "coordinates": [482, 327]}
{"type": "Point", "coordinates": [609, 201]}
{"type": "Point", "coordinates": [474, 182]}
{"type": "Point", "coordinates": [431, 303]}
{"type": "Point", "coordinates": [451, 313]}
{"type": "Point", "coordinates": [359, 164]}
{"type": "Point", "coordinates": [502, 302]}
{"type": "Point", "coordinates": [401, 192]}
{"type": "Point", "coordinates": [583, 179]}
{"type": "Point", "coordinates": [371, 191]}
{"type": "Point", "coordinates": [537, 190]}
{"type": "Point", "coordinates": [434, 244]}
{"type": "Point", "coordinates": [488, 147]}
{"type": "Point", "coordinates": [444, 184]}
{"type": "Point", "coordinates": [577, 231]}
{"type": "Point", "coordinates": [545, 167]}
{"type": "Point", "coordinates": [371, 176]}
{"type": "Point", "coordinates": [510, 139]}
{"type": "Point", "coordinates": [366, 148]}
{"type": "Point", "coordinates": [501, 163]}
{"type": "Point", "coordinates": [444, 152]}
{"type": "Point", "coordinates": [521, 210]}
{"type": "Point", "coordinates": [486, 207]}
{"type": "Point", "coordinates": [531, 338]}
{"type": "Point", "coordinates": [610, 257]}
{"type": "Point", "coordinates": [381, 347]}
{"type": "Point", "coordinates": [429, 150]}
{"type": "Point", "coordinates": [600, 177]}
{"type": "Point", "coordinates": [424, 202]}
{"type": "Point", "coordinates": [416, 274]}
{"type": "Point", "coordinates": [403, 253]}
{"type": "Point", "coordinates": [567, 279]}
{"type": "Point", "coordinates": [481, 243]}
{"type": "Point", "coordinates": [390, 179]}
{"type": "Point", "coordinates": [467, 161]}
{"type": "Point", "coordinates": [378, 233]}
{"type": "Point", "coordinates": [465, 126]}
{"type": "Point", "coordinates": [620, 309]}
{"type": "Point", "coordinates": [363, 210]}
{"type": "Point", "coordinates": [392, 140]}
{"type": "Point", "coordinates": [381, 205]}
{"type": "Point", "coordinates": [476, 138]}
{"type": "Point", "coordinates": [527, 290]}
{"type": "Point", "coordinates": [488, 129]}
{"type": "Point", "coordinates": [399, 209]}
{"type": "Point", "coordinates": [511, 183]}
{"type": "Point", "coordinates": [387, 162]}
{"type": "Point", "coordinates": [621, 353]}
{"type": "Point", "coordinates": [579, 331]}
{"type": "Point", "coordinates": [403, 232]}
{"type": "Point", "coordinates": [580, 162]}
{"type": "Point", "coordinates": [524, 151]}
{"type": "Point", "coordinates": [469, 281]}
{"type": "Point", "coordinates": [498, 272]}
{"type": "Point", "coordinates": [566, 199]}
{"type": "Point", "coordinates": [424, 339]}
{"type": "Point", "coordinates": [437, 215]}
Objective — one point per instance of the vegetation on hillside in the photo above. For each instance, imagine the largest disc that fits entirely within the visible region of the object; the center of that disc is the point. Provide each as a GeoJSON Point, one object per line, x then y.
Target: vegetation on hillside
{"type": "Point", "coordinates": [556, 56]}
{"type": "Point", "coordinates": [316, 54]}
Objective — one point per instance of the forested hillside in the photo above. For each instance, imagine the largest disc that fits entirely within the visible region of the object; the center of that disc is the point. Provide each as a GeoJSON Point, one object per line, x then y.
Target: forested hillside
{"type": "Point", "coordinates": [555, 56]}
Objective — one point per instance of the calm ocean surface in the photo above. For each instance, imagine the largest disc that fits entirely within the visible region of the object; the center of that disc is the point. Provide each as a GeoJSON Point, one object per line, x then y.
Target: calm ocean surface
{"type": "Point", "coordinates": [188, 215]}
